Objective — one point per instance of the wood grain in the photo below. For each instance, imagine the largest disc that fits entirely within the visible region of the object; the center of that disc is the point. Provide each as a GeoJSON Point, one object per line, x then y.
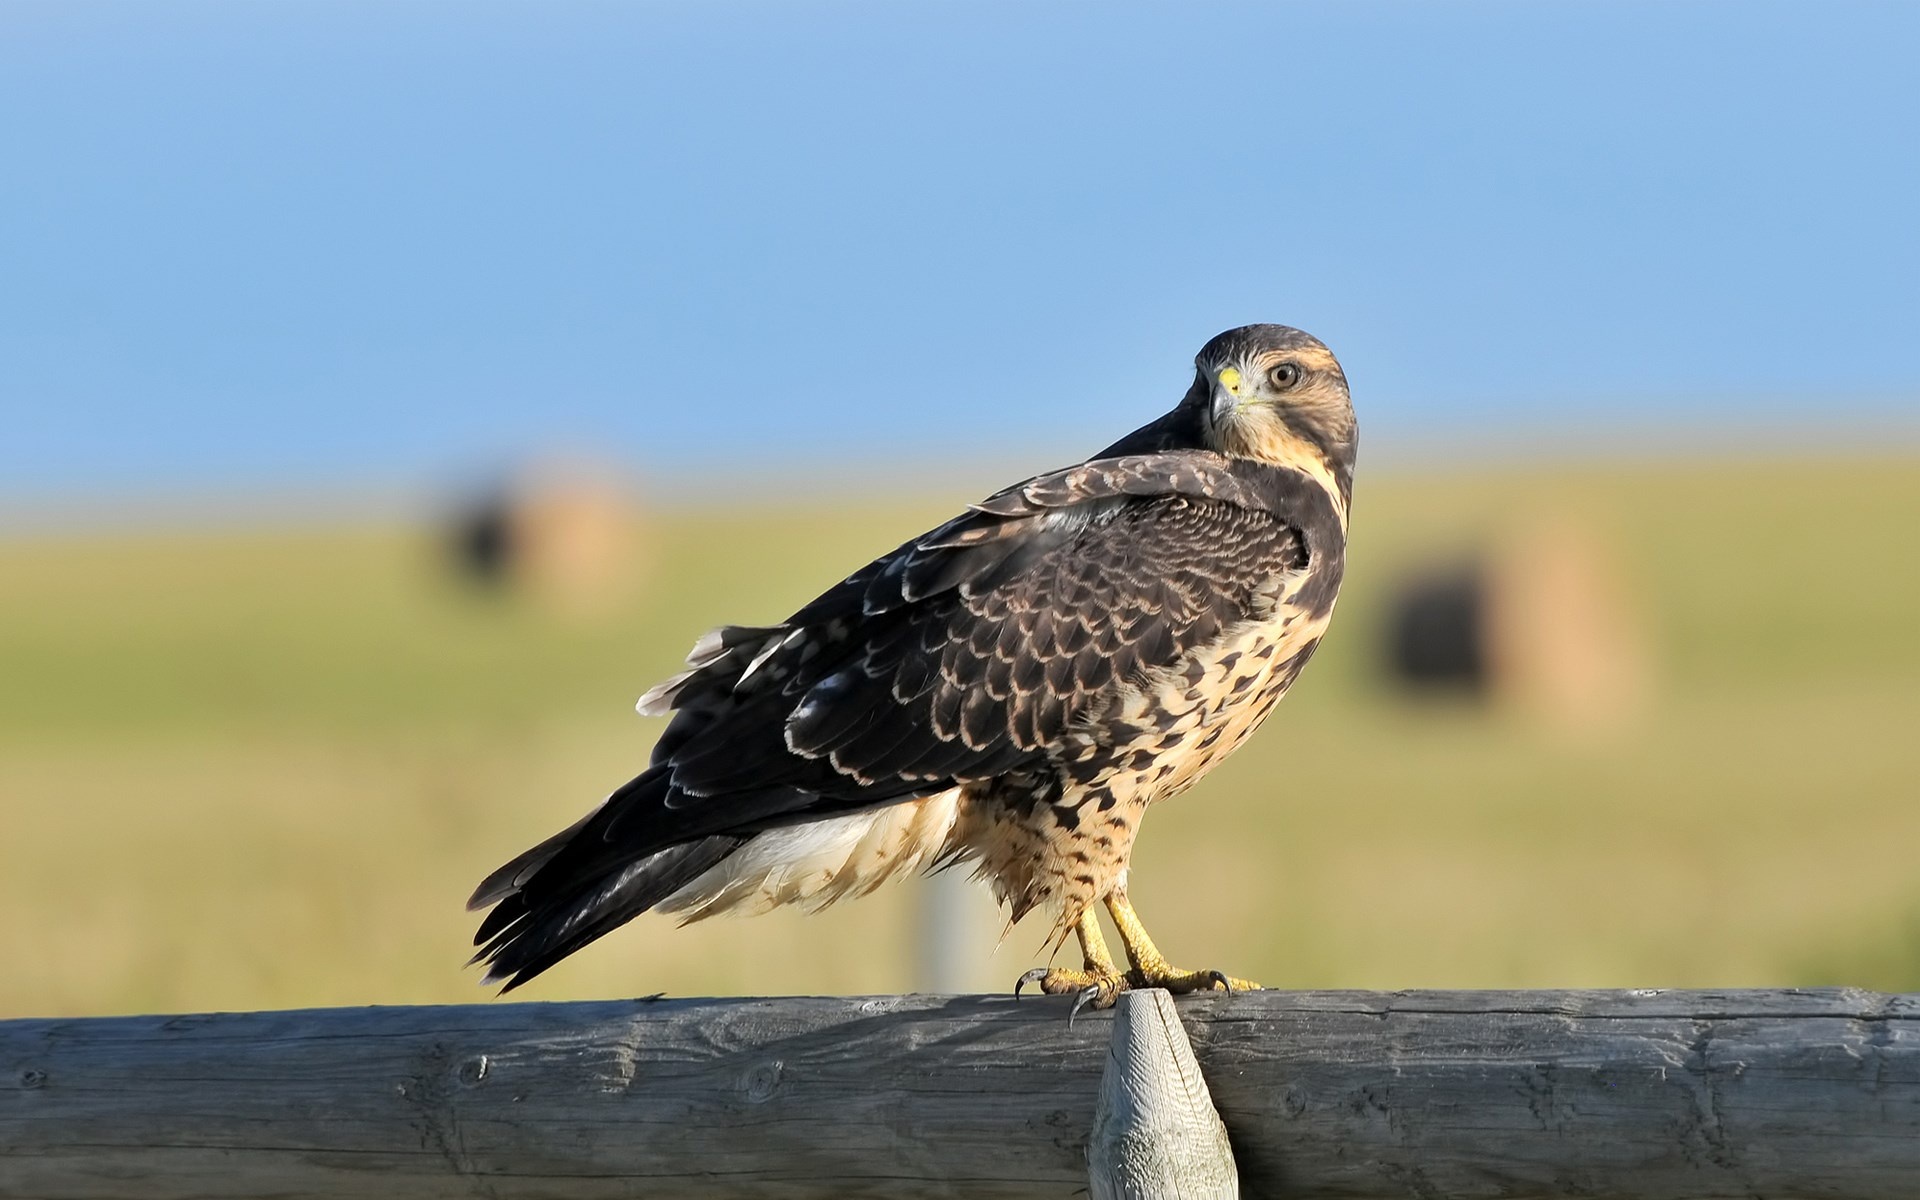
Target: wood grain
{"type": "Point", "coordinates": [1327, 1094]}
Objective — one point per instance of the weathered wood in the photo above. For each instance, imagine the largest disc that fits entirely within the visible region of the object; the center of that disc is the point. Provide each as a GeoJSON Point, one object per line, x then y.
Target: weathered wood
{"type": "Point", "coordinates": [1327, 1094]}
{"type": "Point", "coordinates": [1155, 1133]}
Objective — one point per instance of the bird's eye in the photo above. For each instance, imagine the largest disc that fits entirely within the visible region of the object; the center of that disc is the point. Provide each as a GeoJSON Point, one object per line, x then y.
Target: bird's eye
{"type": "Point", "coordinates": [1284, 376]}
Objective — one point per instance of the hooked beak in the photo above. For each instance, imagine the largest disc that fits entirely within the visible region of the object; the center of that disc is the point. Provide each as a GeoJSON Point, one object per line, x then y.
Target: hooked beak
{"type": "Point", "coordinates": [1226, 394]}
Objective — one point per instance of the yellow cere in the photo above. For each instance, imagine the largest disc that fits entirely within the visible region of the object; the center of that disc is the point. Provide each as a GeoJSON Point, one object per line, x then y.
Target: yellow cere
{"type": "Point", "coordinates": [1230, 379]}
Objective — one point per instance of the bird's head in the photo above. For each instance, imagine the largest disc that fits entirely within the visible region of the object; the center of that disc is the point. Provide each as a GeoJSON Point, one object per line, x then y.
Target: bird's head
{"type": "Point", "coordinates": [1277, 395]}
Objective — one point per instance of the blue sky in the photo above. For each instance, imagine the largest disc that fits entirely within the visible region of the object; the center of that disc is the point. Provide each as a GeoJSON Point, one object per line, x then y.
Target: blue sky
{"type": "Point", "coordinates": [257, 246]}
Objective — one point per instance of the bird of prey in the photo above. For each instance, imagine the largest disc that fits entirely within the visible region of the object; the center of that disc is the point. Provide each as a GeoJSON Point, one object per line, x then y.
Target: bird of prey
{"type": "Point", "coordinates": [1012, 689]}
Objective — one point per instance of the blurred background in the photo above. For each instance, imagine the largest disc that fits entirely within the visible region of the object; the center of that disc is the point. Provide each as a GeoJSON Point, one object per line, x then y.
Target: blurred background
{"type": "Point", "coordinates": [390, 393]}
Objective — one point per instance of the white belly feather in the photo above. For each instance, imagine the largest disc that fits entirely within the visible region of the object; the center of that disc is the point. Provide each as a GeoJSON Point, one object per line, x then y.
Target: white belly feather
{"type": "Point", "coordinates": [822, 861]}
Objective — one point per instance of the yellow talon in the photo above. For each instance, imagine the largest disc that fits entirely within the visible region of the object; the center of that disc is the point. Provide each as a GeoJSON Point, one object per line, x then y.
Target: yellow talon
{"type": "Point", "coordinates": [1150, 967]}
{"type": "Point", "coordinates": [1099, 984]}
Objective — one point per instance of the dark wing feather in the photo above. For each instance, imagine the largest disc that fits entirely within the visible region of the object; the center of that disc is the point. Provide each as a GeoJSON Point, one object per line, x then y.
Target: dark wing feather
{"type": "Point", "coordinates": [965, 654]}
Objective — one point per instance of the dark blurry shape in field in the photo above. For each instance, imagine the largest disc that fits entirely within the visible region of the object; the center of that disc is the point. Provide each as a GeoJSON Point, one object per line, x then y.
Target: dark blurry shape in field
{"type": "Point", "coordinates": [482, 540]}
{"type": "Point", "coordinates": [1434, 637]}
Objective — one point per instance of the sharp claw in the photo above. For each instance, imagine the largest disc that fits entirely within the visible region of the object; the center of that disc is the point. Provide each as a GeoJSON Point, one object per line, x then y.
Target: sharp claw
{"type": "Point", "coordinates": [1087, 996]}
{"type": "Point", "coordinates": [1034, 976]}
{"type": "Point", "coordinates": [1220, 977]}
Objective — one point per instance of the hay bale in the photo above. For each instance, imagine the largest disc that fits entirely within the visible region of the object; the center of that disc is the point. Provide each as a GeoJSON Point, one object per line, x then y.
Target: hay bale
{"type": "Point", "coordinates": [1540, 622]}
{"type": "Point", "coordinates": [570, 539]}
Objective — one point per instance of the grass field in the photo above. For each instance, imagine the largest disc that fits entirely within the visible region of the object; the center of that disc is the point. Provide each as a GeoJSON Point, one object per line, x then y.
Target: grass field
{"type": "Point", "coordinates": [261, 769]}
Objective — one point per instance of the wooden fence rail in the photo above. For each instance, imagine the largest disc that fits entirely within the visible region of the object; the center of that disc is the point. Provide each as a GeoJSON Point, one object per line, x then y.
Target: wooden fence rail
{"type": "Point", "coordinates": [1325, 1094]}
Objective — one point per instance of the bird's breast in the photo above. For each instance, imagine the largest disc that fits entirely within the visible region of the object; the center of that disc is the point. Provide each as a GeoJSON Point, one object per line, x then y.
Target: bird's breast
{"type": "Point", "coordinates": [1187, 721]}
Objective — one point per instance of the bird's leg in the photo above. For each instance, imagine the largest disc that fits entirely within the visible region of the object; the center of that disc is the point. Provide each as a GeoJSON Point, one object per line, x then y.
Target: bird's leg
{"type": "Point", "coordinates": [1150, 968]}
{"type": "Point", "coordinates": [1099, 984]}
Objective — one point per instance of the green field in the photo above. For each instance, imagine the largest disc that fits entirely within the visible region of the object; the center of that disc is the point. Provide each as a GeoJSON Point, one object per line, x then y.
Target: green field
{"type": "Point", "coordinates": [261, 769]}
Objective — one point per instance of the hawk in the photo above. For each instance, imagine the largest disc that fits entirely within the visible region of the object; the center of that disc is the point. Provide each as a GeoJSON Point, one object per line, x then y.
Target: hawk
{"type": "Point", "coordinates": [1013, 689]}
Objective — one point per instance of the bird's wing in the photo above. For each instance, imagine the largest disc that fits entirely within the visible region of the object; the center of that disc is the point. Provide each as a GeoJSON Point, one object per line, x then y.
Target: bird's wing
{"type": "Point", "coordinates": [965, 654]}
{"type": "Point", "coordinates": [969, 651]}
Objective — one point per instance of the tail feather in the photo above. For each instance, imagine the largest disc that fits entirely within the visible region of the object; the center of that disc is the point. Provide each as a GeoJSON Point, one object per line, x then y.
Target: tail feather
{"type": "Point", "coordinates": [512, 876]}
{"type": "Point", "coordinates": [524, 935]}
{"type": "Point", "coordinates": [642, 844]}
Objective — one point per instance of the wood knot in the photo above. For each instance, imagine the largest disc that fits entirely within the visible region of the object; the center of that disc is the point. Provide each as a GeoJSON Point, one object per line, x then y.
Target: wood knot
{"type": "Point", "coordinates": [1292, 1103]}
{"type": "Point", "coordinates": [33, 1078]}
{"type": "Point", "coordinates": [474, 1070]}
{"type": "Point", "coordinates": [762, 1081]}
